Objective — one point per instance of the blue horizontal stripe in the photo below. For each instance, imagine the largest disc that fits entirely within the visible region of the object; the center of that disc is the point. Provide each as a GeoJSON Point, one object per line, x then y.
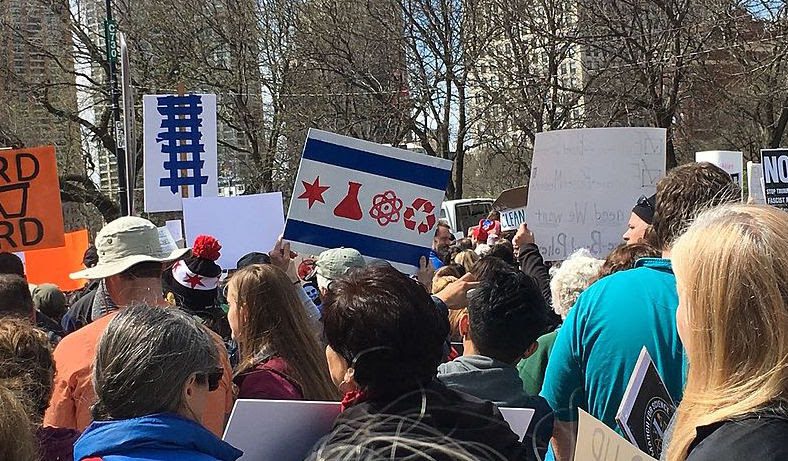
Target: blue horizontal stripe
{"type": "Point", "coordinates": [373, 247]}
{"type": "Point", "coordinates": [380, 165]}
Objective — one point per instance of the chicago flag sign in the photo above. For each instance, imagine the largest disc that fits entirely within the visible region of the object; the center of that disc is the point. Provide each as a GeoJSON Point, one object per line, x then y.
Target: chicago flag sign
{"type": "Point", "coordinates": [382, 201]}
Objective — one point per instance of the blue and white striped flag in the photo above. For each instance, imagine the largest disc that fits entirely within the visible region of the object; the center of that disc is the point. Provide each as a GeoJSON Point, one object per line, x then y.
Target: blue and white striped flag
{"type": "Point", "coordinates": [383, 201]}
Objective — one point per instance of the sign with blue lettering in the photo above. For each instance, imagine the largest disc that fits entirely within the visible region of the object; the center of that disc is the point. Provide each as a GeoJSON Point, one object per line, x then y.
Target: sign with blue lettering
{"type": "Point", "coordinates": [180, 149]}
{"type": "Point", "coordinates": [380, 200]}
{"type": "Point", "coordinates": [512, 218]}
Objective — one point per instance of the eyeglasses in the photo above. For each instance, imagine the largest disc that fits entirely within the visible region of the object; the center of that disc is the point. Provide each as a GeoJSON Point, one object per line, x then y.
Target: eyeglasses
{"type": "Point", "coordinates": [213, 378]}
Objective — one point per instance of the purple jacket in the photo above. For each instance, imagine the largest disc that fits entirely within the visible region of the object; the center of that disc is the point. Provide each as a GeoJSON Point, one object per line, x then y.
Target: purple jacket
{"type": "Point", "coordinates": [269, 380]}
{"type": "Point", "coordinates": [56, 443]}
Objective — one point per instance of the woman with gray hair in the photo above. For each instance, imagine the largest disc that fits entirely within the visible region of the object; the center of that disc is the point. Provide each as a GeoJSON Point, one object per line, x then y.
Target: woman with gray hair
{"type": "Point", "coordinates": [153, 371]}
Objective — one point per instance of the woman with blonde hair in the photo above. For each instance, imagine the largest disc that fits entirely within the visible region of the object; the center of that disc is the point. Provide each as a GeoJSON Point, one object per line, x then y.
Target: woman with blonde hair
{"type": "Point", "coordinates": [466, 259]}
{"type": "Point", "coordinates": [280, 356]}
{"type": "Point", "coordinates": [731, 268]}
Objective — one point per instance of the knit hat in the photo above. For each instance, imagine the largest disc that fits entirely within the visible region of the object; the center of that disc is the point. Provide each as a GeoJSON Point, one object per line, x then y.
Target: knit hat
{"type": "Point", "coordinates": [194, 280]}
{"type": "Point", "coordinates": [645, 207]}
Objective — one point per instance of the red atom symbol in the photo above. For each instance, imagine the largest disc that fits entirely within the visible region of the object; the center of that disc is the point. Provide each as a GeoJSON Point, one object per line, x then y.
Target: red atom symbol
{"type": "Point", "coordinates": [429, 221]}
{"type": "Point", "coordinates": [385, 208]}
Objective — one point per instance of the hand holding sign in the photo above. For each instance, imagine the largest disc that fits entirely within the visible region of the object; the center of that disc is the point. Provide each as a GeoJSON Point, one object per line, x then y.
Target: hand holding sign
{"type": "Point", "coordinates": [523, 237]}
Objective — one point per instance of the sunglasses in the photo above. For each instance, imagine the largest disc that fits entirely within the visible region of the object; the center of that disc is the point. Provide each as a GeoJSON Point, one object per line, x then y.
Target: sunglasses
{"type": "Point", "coordinates": [643, 201]}
{"type": "Point", "coordinates": [213, 377]}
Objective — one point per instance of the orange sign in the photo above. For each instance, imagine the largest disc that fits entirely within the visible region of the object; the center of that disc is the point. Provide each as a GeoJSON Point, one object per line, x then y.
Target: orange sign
{"type": "Point", "coordinates": [54, 264]}
{"type": "Point", "coordinates": [31, 216]}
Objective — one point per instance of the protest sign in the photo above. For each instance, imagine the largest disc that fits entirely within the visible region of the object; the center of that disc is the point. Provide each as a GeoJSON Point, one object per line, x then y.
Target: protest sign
{"type": "Point", "coordinates": [166, 240]}
{"type": "Point", "coordinates": [53, 265]}
{"type": "Point", "coordinates": [730, 161]}
{"type": "Point", "coordinates": [755, 192]}
{"type": "Point", "coordinates": [285, 430]}
{"type": "Point", "coordinates": [511, 219]}
{"type": "Point", "coordinates": [584, 184]}
{"type": "Point", "coordinates": [175, 226]}
{"type": "Point", "coordinates": [179, 149]}
{"type": "Point", "coordinates": [241, 224]}
{"type": "Point", "coordinates": [597, 442]}
{"type": "Point", "coordinates": [382, 201]}
{"type": "Point", "coordinates": [31, 217]}
{"type": "Point", "coordinates": [775, 177]}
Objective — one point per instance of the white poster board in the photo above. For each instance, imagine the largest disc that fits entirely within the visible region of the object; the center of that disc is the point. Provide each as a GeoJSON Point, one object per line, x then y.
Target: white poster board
{"type": "Point", "coordinates": [597, 442]}
{"type": "Point", "coordinates": [287, 430]}
{"type": "Point", "coordinates": [584, 184]}
{"type": "Point", "coordinates": [179, 150]}
{"type": "Point", "coordinates": [242, 224]}
{"type": "Point", "coordinates": [755, 192]}
{"type": "Point", "coordinates": [382, 201]}
{"type": "Point", "coordinates": [175, 226]}
{"type": "Point", "coordinates": [730, 161]}
{"type": "Point", "coordinates": [166, 241]}
{"type": "Point", "coordinates": [512, 218]}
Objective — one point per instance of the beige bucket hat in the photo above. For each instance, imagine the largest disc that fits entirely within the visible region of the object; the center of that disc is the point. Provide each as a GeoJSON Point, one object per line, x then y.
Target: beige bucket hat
{"type": "Point", "coordinates": [125, 242]}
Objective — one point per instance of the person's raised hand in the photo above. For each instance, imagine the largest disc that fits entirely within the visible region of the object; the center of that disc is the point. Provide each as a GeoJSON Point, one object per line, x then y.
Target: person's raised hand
{"type": "Point", "coordinates": [455, 295]}
{"type": "Point", "coordinates": [425, 273]}
{"type": "Point", "coordinates": [281, 255]}
{"type": "Point", "coordinates": [523, 237]}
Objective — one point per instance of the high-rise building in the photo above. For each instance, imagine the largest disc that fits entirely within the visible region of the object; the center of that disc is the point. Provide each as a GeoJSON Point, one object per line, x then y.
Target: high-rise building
{"type": "Point", "coordinates": [37, 91]}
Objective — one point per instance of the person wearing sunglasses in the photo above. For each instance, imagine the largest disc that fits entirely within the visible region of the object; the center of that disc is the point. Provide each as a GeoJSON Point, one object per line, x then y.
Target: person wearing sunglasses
{"type": "Point", "coordinates": [641, 218]}
{"type": "Point", "coordinates": [154, 372]}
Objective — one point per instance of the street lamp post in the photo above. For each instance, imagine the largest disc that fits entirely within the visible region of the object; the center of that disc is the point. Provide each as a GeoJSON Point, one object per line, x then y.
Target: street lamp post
{"type": "Point", "coordinates": [110, 36]}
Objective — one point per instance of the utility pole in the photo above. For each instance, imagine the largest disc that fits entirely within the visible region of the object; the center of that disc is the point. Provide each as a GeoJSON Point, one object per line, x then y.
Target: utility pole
{"type": "Point", "coordinates": [110, 38]}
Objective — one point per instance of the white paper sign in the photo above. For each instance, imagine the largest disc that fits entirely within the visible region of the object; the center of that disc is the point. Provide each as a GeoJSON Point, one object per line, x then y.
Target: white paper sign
{"type": "Point", "coordinates": [180, 157]}
{"type": "Point", "coordinates": [166, 241]}
{"type": "Point", "coordinates": [242, 224]}
{"type": "Point", "coordinates": [175, 227]}
{"type": "Point", "coordinates": [512, 218]}
{"type": "Point", "coordinates": [382, 201]}
{"type": "Point", "coordinates": [287, 430]}
{"type": "Point", "coordinates": [755, 192]}
{"type": "Point", "coordinates": [597, 442]}
{"type": "Point", "coordinates": [730, 161]}
{"type": "Point", "coordinates": [584, 184]}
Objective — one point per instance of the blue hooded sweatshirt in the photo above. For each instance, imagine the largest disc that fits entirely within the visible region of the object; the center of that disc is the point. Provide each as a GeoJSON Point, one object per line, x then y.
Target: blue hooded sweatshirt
{"type": "Point", "coordinates": [162, 436]}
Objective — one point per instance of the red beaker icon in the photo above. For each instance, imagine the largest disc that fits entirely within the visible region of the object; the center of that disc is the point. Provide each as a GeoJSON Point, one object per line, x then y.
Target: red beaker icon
{"type": "Point", "coordinates": [349, 207]}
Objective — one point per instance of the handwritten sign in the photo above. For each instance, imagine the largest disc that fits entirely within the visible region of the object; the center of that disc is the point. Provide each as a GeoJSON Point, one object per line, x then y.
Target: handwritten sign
{"type": "Point", "coordinates": [180, 156]}
{"type": "Point", "coordinates": [382, 201]}
{"type": "Point", "coordinates": [242, 224]}
{"type": "Point", "coordinates": [597, 442]}
{"type": "Point", "coordinates": [31, 216]}
{"type": "Point", "coordinates": [584, 184]}
{"type": "Point", "coordinates": [730, 161]}
{"type": "Point", "coordinates": [511, 219]}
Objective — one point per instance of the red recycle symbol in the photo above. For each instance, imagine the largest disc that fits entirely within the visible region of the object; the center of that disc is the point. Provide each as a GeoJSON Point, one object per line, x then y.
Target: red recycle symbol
{"type": "Point", "coordinates": [428, 223]}
{"type": "Point", "coordinates": [385, 208]}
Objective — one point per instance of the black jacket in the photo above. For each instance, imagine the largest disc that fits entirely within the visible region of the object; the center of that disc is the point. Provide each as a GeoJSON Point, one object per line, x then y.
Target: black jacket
{"type": "Point", "coordinates": [449, 420]}
{"type": "Point", "coordinates": [531, 263]}
{"type": "Point", "coordinates": [762, 437]}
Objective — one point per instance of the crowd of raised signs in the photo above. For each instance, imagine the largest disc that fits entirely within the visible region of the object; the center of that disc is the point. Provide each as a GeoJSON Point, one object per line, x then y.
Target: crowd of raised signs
{"type": "Point", "coordinates": [146, 362]}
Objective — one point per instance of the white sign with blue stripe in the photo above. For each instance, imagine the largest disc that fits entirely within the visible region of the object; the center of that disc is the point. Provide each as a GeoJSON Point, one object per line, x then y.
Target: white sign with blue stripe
{"type": "Point", "coordinates": [380, 200]}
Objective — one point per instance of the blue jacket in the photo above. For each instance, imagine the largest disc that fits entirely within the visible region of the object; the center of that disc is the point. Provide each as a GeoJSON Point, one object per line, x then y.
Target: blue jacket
{"type": "Point", "coordinates": [163, 436]}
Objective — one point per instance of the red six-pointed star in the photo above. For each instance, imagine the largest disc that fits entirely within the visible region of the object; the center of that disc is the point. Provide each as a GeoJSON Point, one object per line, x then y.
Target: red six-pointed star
{"type": "Point", "coordinates": [313, 192]}
{"type": "Point", "coordinates": [194, 280]}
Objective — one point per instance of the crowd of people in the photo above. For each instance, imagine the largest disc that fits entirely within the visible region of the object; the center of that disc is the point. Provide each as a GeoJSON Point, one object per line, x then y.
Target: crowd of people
{"type": "Point", "coordinates": [146, 361]}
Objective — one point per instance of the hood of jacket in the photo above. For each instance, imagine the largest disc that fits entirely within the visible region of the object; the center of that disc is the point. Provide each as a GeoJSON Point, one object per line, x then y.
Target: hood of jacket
{"type": "Point", "coordinates": [487, 379]}
{"type": "Point", "coordinates": [179, 437]}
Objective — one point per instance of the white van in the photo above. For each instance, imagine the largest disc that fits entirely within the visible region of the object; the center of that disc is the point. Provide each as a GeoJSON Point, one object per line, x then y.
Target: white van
{"type": "Point", "coordinates": [465, 213]}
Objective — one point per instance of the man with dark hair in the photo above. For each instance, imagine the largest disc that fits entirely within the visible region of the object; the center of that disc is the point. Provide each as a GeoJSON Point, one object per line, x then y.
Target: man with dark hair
{"type": "Point", "coordinates": [15, 298]}
{"type": "Point", "coordinates": [11, 264]}
{"type": "Point", "coordinates": [597, 347]}
{"type": "Point", "coordinates": [440, 244]}
{"type": "Point", "coordinates": [505, 316]}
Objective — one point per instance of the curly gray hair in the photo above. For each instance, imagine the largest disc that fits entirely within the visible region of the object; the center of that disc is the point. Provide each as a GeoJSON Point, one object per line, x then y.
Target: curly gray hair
{"type": "Point", "coordinates": [572, 278]}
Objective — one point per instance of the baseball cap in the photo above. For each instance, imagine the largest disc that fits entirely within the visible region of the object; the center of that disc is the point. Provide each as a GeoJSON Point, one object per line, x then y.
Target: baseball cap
{"type": "Point", "coordinates": [334, 263]}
